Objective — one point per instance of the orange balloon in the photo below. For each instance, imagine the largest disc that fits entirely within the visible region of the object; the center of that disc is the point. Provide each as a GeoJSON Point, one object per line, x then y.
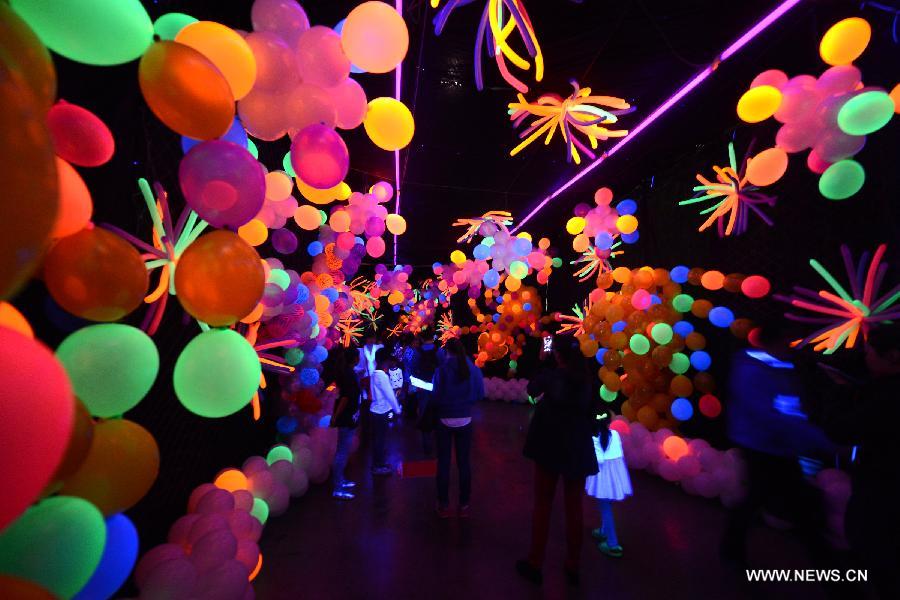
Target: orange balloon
{"type": "Point", "coordinates": [224, 48]}
{"type": "Point", "coordinates": [120, 467]}
{"type": "Point", "coordinates": [22, 51]}
{"type": "Point", "coordinates": [96, 275]}
{"type": "Point", "coordinates": [13, 588]}
{"type": "Point", "coordinates": [712, 280]}
{"type": "Point", "coordinates": [231, 480]}
{"type": "Point", "coordinates": [219, 278]}
{"type": "Point", "coordinates": [77, 450]}
{"type": "Point", "coordinates": [186, 91]}
{"type": "Point", "coordinates": [767, 167]}
{"type": "Point", "coordinates": [11, 318]}
{"type": "Point", "coordinates": [675, 447]}
{"type": "Point", "coordinates": [375, 37]}
{"type": "Point", "coordinates": [75, 204]}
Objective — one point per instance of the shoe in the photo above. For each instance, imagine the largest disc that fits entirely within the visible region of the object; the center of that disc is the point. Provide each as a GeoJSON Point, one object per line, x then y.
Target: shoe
{"type": "Point", "coordinates": [573, 578]}
{"type": "Point", "coordinates": [463, 511]}
{"type": "Point", "coordinates": [385, 470]}
{"type": "Point", "coordinates": [613, 551]}
{"type": "Point", "coordinates": [597, 534]}
{"type": "Point", "coordinates": [528, 571]}
{"type": "Point", "coordinates": [442, 512]}
{"type": "Point", "coordinates": [343, 495]}
{"type": "Point", "coordinates": [348, 485]}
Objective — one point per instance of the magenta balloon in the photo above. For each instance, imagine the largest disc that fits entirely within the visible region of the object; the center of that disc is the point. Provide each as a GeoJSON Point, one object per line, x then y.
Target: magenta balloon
{"type": "Point", "coordinates": [350, 104]}
{"type": "Point", "coordinates": [815, 163]}
{"type": "Point", "coordinates": [175, 578]}
{"type": "Point", "coordinates": [79, 136]}
{"type": "Point", "coordinates": [284, 241]}
{"type": "Point", "coordinates": [276, 67]}
{"type": "Point", "coordinates": [794, 137]}
{"type": "Point", "coordinates": [838, 80]}
{"type": "Point", "coordinates": [374, 226]}
{"type": "Point", "coordinates": [837, 145]}
{"type": "Point", "coordinates": [307, 104]}
{"type": "Point", "coordinates": [155, 557]}
{"type": "Point", "coordinates": [213, 549]}
{"type": "Point", "coordinates": [261, 113]}
{"type": "Point", "coordinates": [223, 183]}
{"type": "Point", "coordinates": [285, 18]}
{"type": "Point", "coordinates": [319, 157]}
{"type": "Point", "coordinates": [247, 554]}
{"type": "Point", "coordinates": [772, 77]}
{"type": "Point", "coordinates": [320, 57]}
{"type": "Point", "coordinates": [798, 100]}
{"type": "Point", "coordinates": [375, 247]}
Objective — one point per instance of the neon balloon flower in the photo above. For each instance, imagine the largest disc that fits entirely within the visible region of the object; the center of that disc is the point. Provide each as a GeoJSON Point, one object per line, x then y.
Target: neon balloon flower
{"type": "Point", "coordinates": [268, 361]}
{"type": "Point", "coordinates": [845, 315]}
{"type": "Point", "coordinates": [580, 112]}
{"type": "Point", "coordinates": [351, 330]}
{"type": "Point", "coordinates": [500, 218]}
{"type": "Point", "coordinates": [498, 21]}
{"type": "Point", "coordinates": [595, 261]}
{"type": "Point", "coordinates": [733, 196]}
{"type": "Point", "coordinates": [574, 324]}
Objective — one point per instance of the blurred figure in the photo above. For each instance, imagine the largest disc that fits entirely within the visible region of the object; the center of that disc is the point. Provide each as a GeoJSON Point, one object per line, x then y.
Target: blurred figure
{"type": "Point", "coordinates": [383, 402]}
{"type": "Point", "coordinates": [345, 418]}
{"type": "Point", "coordinates": [366, 365]}
{"type": "Point", "coordinates": [426, 412]}
{"type": "Point", "coordinates": [610, 484]}
{"type": "Point", "coordinates": [559, 442]}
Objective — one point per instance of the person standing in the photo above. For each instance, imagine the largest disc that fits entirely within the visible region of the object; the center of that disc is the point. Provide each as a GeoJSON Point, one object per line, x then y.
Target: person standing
{"type": "Point", "coordinates": [458, 384]}
{"type": "Point", "coordinates": [366, 365]}
{"type": "Point", "coordinates": [383, 402]}
{"type": "Point", "coordinates": [559, 441]}
{"type": "Point", "coordinates": [610, 484]}
{"type": "Point", "coordinates": [345, 418]}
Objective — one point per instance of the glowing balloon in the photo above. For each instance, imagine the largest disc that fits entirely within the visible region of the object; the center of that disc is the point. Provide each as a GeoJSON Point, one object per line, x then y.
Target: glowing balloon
{"type": "Point", "coordinates": [93, 32]}
{"type": "Point", "coordinates": [224, 48]}
{"type": "Point", "coordinates": [217, 373]}
{"type": "Point", "coordinates": [11, 318]}
{"type": "Point", "coordinates": [767, 167]}
{"type": "Point", "coordinates": [284, 241]}
{"type": "Point", "coordinates": [709, 406]}
{"type": "Point", "coordinates": [120, 468]}
{"type": "Point", "coordinates": [236, 134]}
{"type": "Point", "coordinates": [320, 157]}
{"type": "Point", "coordinates": [96, 275]}
{"type": "Point", "coordinates": [307, 217]}
{"type": "Point", "coordinates": [388, 123]}
{"type": "Point", "coordinates": [350, 104]}
{"type": "Point", "coordinates": [675, 447]}
{"type": "Point", "coordinates": [256, 111]}
{"type": "Point", "coordinates": [845, 41]}
{"type": "Point", "coordinates": [575, 225]}
{"type": "Point", "coordinates": [34, 441]}
{"type": "Point", "coordinates": [168, 25]}
{"type": "Point", "coordinates": [866, 113]}
{"type": "Point", "coordinates": [755, 286]}
{"type": "Point", "coordinates": [307, 104]}
{"type": "Point", "coordinates": [276, 66]}
{"type": "Point", "coordinates": [111, 367]}
{"type": "Point", "coordinates": [320, 58]}
{"type": "Point", "coordinates": [842, 179]}
{"type": "Point", "coordinates": [75, 204]}
{"type": "Point", "coordinates": [119, 555]}
{"type": "Point", "coordinates": [186, 91]}
{"type": "Point", "coordinates": [22, 589]}
{"type": "Point", "coordinates": [82, 436]}
{"type": "Point", "coordinates": [627, 224]}
{"type": "Point", "coordinates": [79, 136]}
{"type": "Point", "coordinates": [23, 53]}
{"type": "Point", "coordinates": [219, 278]}
{"type": "Point", "coordinates": [759, 103]}
{"type": "Point", "coordinates": [375, 37]}
{"type": "Point", "coordinates": [375, 247]}
{"type": "Point", "coordinates": [284, 18]}
{"type": "Point", "coordinates": [396, 224]}
{"type": "Point", "coordinates": [56, 544]}
{"type": "Point", "coordinates": [254, 232]}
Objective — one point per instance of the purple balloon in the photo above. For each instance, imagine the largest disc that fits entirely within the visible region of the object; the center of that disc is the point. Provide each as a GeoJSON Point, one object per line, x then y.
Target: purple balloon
{"type": "Point", "coordinates": [285, 18]}
{"type": "Point", "coordinates": [284, 241]}
{"type": "Point", "coordinates": [223, 183]}
{"type": "Point", "coordinates": [319, 157]}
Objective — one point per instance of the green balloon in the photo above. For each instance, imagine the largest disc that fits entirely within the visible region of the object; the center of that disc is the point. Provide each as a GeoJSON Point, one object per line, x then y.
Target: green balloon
{"type": "Point", "coordinates": [279, 452]}
{"type": "Point", "coordinates": [56, 543]}
{"type": "Point", "coordinates": [111, 366]}
{"type": "Point", "coordinates": [556, 262]}
{"type": "Point", "coordinates": [866, 113]}
{"type": "Point", "coordinates": [682, 303]}
{"type": "Point", "coordinates": [286, 163]}
{"type": "Point", "coordinates": [661, 333]}
{"type": "Point", "coordinates": [607, 394]}
{"type": "Point", "coordinates": [260, 510]}
{"type": "Point", "coordinates": [94, 32]}
{"type": "Point", "coordinates": [293, 356]}
{"type": "Point", "coordinates": [280, 278]}
{"type": "Point", "coordinates": [639, 344]}
{"type": "Point", "coordinates": [251, 147]}
{"type": "Point", "coordinates": [680, 363]}
{"type": "Point", "coordinates": [842, 179]}
{"type": "Point", "coordinates": [169, 24]}
{"type": "Point", "coordinates": [217, 373]}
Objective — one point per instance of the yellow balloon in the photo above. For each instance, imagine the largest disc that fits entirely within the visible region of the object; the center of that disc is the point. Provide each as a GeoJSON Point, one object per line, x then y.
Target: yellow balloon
{"type": "Point", "coordinates": [845, 41]}
{"type": "Point", "coordinates": [254, 232]}
{"type": "Point", "coordinates": [317, 196]}
{"type": "Point", "coordinates": [389, 124]}
{"type": "Point", "coordinates": [307, 217]}
{"type": "Point", "coordinates": [575, 225]}
{"type": "Point", "coordinates": [759, 103]}
{"type": "Point", "coordinates": [457, 257]}
{"type": "Point", "coordinates": [224, 48]}
{"type": "Point", "coordinates": [396, 224]}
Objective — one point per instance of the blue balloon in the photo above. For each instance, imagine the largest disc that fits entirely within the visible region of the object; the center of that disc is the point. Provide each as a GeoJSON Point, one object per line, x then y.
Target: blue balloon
{"type": "Point", "coordinates": [315, 248]}
{"type": "Point", "coordinates": [527, 306]}
{"type": "Point", "coordinates": [603, 241]}
{"type": "Point", "coordinates": [618, 326]}
{"type": "Point", "coordinates": [683, 328]}
{"type": "Point", "coordinates": [435, 266]}
{"type": "Point", "coordinates": [302, 293]}
{"type": "Point", "coordinates": [325, 421]}
{"type": "Point", "coordinates": [654, 299]}
{"type": "Point", "coordinates": [286, 425]}
{"type": "Point", "coordinates": [236, 135]}
{"type": "Point", "coordinates": [627, 207]}
{"type": "Point", "coordinates": [630, 238]}
{"type": "Point", "coordinates": [119, 556]}
{"type": "Point", "coordinates": [481, 252]}
{"type": "Point", "coordinates": [496, 318]}
{"type": "Point", "coordinates": [319, 354]}
{"type": "Point", "coordinates": [682, 409]}
{"type": "Point", "coordinates": [309, 376]}
{"type": "Point", "coordinates": [313, 317]}
{"type": "Point", "coordinates": [721, 316]}
{"type": "Point", "coordinates": [522, 246]}
{"type": "Point", "coordinates": [679, 274]}
{"type": "Point", "coordinates": [601, 352]}
{"type": "Point", "coordinates": [491, 278]}
{"type": "Point", "coordinates": [330, 293]}
{"type": "Point", "coordinates": [701, 360]}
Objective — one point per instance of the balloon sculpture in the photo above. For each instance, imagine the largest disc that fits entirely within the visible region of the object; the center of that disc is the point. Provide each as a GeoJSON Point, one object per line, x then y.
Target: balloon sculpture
{"type": "Point", "coordinates": [600, 230]}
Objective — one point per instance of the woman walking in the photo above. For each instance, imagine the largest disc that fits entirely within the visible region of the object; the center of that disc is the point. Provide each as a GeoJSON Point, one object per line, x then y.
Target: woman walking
{"type": "Point", "coordinates": [345, 418]}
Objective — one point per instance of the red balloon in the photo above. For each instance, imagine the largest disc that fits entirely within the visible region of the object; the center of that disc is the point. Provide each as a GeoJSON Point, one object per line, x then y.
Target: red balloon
{"type": "Point", "coordinates": [37, 409]}
{"type": "Point", "coordinates": [79, 136]}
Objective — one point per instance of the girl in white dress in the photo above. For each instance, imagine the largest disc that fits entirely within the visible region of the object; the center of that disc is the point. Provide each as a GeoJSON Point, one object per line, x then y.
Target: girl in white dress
{"type": "Point", "coordinates": [611, 483]}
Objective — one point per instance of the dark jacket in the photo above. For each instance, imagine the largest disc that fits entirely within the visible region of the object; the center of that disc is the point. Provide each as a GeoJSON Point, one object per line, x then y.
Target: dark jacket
{"type": "Point", "coordinates": [453, 394]}
{"type": "Point", "coordinates": [559, 437]}
{"type": "Point", "coordinates": [348, 387]}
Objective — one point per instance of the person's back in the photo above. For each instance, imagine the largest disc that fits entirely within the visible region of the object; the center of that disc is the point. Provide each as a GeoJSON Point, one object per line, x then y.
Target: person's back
{"type": "Point", "coordinates": [456, 391]}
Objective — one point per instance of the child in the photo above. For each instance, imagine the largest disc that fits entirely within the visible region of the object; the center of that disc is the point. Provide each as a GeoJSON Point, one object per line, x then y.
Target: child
{"type": "Point", "coordinates": [610, 483]}
{"type": "Point", "coordinates": [383, 402]}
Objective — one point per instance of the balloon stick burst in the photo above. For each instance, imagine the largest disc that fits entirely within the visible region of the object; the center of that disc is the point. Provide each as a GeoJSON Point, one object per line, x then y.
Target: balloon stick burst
{"type": "Point", "coordinates": [845, 315]}
{"type": "Point", "coordinates": [579, 113]}
{"type": "Point", "coordinates": [268, 361]}
{"type": "Point", "coordinates": [738, 197]}
{"type": "Point", "coordinates": [499, 19]}
{"type": "Point", "coordinates": [595, 261]}
{"type": "Point", "coordinates": [351, 329]}
{"type": "Point", "coordinates": [501, 218]}
{"type": "Point", "coordinates": [446, 327]}
{"type": "Point", "coordinates": [574, 324]}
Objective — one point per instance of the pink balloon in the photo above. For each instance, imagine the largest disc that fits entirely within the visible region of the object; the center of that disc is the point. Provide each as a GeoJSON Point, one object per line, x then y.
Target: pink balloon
{"type": "Point", "coordinates": [276, 66]}
{"type": "Point", "coordinates": [307, 104]}
{"type": "Point", "coordinates": [247, 554]}
{"type": "Point", "coordinates": [285, 18]}
{"type": "Point", "coordinates": [688, 466]}
{"type": "Point", "coordinates": [298, 483]}
{"type": "Point", "coordinates": [173, 578]}
{"type": "Point", "coordinates": [838, 80]}
{"type": "Point", "coordinates": [222, 182]}
{"type": "Point", "coordinates": [179, 532]}
{"type": "Point", "coordinates": [244, 525]}
{"type": "Point", "coordinates": [216, 501]}
{"type": "Point", "coordinates": [284, 241]}
{"type": "Point", "coordinates": [227, 581]}
{"type": "Point", "coordinates": [198, 492]}
{"type": "Point", "coordinates": [261, 483]}
{"type": "Point", "coordinates": [669, 471]}
{"type": "Point", "coordinates": [837, 145]}
{"type": "Point", "coordinates": [798, 101]}
{"type": "Point", "coordinates": [320, 157]}
{"type": "Point", "coordinates": [213, 549]}
{"type": "Point", "coordinates": [281, 470]}
{"type": "Point", "coordinates": [253, 465]}
{"type": "Point", "coordinates": [260, 112]}
{"type": "Point", "coordinates": [374, 226]}
{"type": "Point", "coordinates": [815, 163]}
{"type": "Point", "coordinates": [278, 500]}
{"type": "Point", "coordinates": [79, 136]}
{"type": "Point", "coordinates": [350, 104]}
{"type": "Point", "coordinates": [155, 557]}
{"type": "Point", "coordinates": [794, 137]}
{"type": "Point", "coordinates": [320, 57]}
{"type": "Point", "coordinates": [772, 77]}
{"type": "Point", "coordinates": [375, 247]}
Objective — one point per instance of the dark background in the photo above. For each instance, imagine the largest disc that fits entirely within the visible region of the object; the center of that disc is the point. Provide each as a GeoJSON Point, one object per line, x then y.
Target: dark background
{"type": "Point", "coordinates": [458, 166]}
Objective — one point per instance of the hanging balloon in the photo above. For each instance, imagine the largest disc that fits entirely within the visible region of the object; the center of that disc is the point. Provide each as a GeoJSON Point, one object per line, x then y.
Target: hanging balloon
{"type": "Point", "coordinates": [759, 103]}
{"type": "Point", "coordinates": [261, 113]}
{"type": "Point", "coordinates": [94, 33]}
{"type": "Point", "coordinates": [842, 179]}
{"type": "Point", "coordinates": [119, 555]}
{"type": "Point", "coordinates": [319, 156]}
{"type": "Point", "coordinates": [276, 66]}
{"type": "Point", "coordinates": [350, 104]}
{"type": "Point", "coordinates": [186, 91]}
{"type": "Point", "coordinates": [320, 58]}
{"type": "Point", "coordinates": [96, 275]}
{"type": "Point", "coordinates": [223, 183]}
{"type": "Point", "coordinates": [375, 37]}
{"type": "Point", "coordinates": [306, 105]}
{"type": "Point", "coordinates": [375, 247]}
{"type": "Point", "coordinates": [395, 224]}
{"type": "Point", "coordinates": [866, 113]}
{"type": "Point", "coordinates": [254, 232]}
{"type": "Point", "coordinates": [75, 204]}
{"type": "Point", "coordinates": [111, 367]}
{"type": "Point", "coordinates": [284, 18]}
{"type": "Point", "coordinates": [168, 25]}
{"type": "Point", "coordinates": [389, 124]}
{"type": "Point", "coordinates": [767, 167]}
{"type": "Point", "coordinates": [79, 136]}
{"type": "Point", "coordinates": [120, 467]}
{"type": "Point", "coordinates": [56, 544]}
{"type": "Point", "coordinates": [217, 373]}
{"type": "Point", "coordinates": [845, 41]}
{"type": "Point", "coordinates": [284, 241]}
{"type": "Point", "coordinates": [224, 48]}
{"type": "Point", "coordinates": [22, 52]}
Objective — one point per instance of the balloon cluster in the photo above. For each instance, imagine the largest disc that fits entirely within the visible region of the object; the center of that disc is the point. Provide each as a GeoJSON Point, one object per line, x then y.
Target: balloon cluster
{"type": "Point", "coordinates": [366, 215]}
{"type": "Point", "coordinates": [517, 315]}
{"type": "Point", "coordinates": [506, 390]}
{"type": "Point", "coordinates": [393, 284]}
{"type": "Point", "coordinates": [600, 230]}
{"type": "Point", "coordinates": [831, 115]}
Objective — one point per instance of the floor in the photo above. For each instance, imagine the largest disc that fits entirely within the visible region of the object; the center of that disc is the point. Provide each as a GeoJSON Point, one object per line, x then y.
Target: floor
{"type": "Point", "coordinates": [387, 542]}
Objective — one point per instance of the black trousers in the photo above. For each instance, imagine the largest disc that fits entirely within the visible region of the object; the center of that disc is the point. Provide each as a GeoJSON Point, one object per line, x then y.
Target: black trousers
{"type": "Point", "coordinates": [447, 437]}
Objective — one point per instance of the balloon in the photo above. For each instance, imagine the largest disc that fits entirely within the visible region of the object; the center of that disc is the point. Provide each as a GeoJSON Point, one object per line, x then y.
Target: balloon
{"type": "Point", "coordinates": [79, 136]}
{"type": "Point", "coordinates": [320, 58]}
{"type": "Point", "coordinates": [224, 48]}
{"type": "Point", "coordinates": [845, 41]}
{"type": "Point", "coordinates": [94, 274]}
{"type": "Point", "coordinates": [276, 66]}
{"type": "Point", "coordinates": [319, 156]}
{"type": "Point", "coordinates": [395, 224]}
{"type": "Point", "coordinates": [838, 80]}
{"type": "Point", "coordinates": [254, 232]}
{"type": "Point", "coordinates": [75, 204]}
{"type": "Point", "coordinates": [11, 318]}
{"type": "Point", "coordinates": [755, 286]}
{"type": "Point", "coordinates": [375, 37]}
{"type": "Point", "coordinates": [22, 52]}
{"type": "Point", "coordinates": [257, 113]}
{"type": "Point", "coordinates": [772, 77]}
{"type": "Point", "coordinates": [93, 32]}
{"type": "Point", "coordinates": [120, 467]}
{"type": "Point", "coordinates": [675, 447]}
{"type": "Point", "coordinates": [14, 588]}
{"type": "Point", "coordinates": [57, 544]}
{"type": "Point", "coordinates": [841, 180]}
{"type": "Point", "coordinates": [815, 163]}
{"type": "Point", "coordinates": [223, 183]}
{"type": "Point", "coordinates": [866, 113]}
{"type": "Point", "coordinates": [709, 406]}
{"type": "Point", "coordinates": [767, 167]}
{"type": "Point", "coordinates": [388, 123]}
{"type": "Point", "coordinates": [320, 196]}
{"type": "Point", "coordinates": [796, 136]}
{"type": "Point", "coordinates": [119, 555]}
{"type": "Point", "coordinates": [186, 91]}
{"type": "Point", "coordinates": [758, 104]}
{"type": "Point", "coordinates": [217, 373]}
{"type": "Point", "coordinates": [36, 417]}
{"type": "Point", "coordinates": [168, 25]}
{"type": "Point", "coordinates": [799, 99]}
{"type": "Point", "coordinates": [29, 203]}
{"type": "Point", "coordinates": [284, 241]}
{"type": "Point", "coordinates": [350, 104]}
{"type": "Point", "coordinates": [307, 217]}
{"type": "Point", "coordinates": [219, 278]}
{"type": "Point", "coordinates": [284, 18]}
{"type": "Point", "coordinates": [111, 367]}
{"type": "Point", "coordinates": [375, 247]}
{"type": "Point", "coordinates": [236, 135]}
{"type": "Point", "coordinates": [82, 436]}
{"type": "Point", "coordinates": [836, 145]}
{"type": "Point", "coordinates": [307, 104]}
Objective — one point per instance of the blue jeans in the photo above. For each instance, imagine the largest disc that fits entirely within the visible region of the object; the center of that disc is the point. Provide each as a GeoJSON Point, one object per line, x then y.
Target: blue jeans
{"type": "Point", "coordinates": [379, 435]}
{"type": "Point", "coordinates": [607, 524]}
{"type": "Point", "coordinates": [344, 443]}
{"type": "Point", "coordinates": [447, 437]}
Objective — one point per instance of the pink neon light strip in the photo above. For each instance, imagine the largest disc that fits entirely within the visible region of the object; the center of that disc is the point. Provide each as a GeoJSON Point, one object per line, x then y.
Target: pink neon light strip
{"type": "Point", "coordinates": [399, 6]}
{"type": "Point", "coordinates": [683, 91]}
